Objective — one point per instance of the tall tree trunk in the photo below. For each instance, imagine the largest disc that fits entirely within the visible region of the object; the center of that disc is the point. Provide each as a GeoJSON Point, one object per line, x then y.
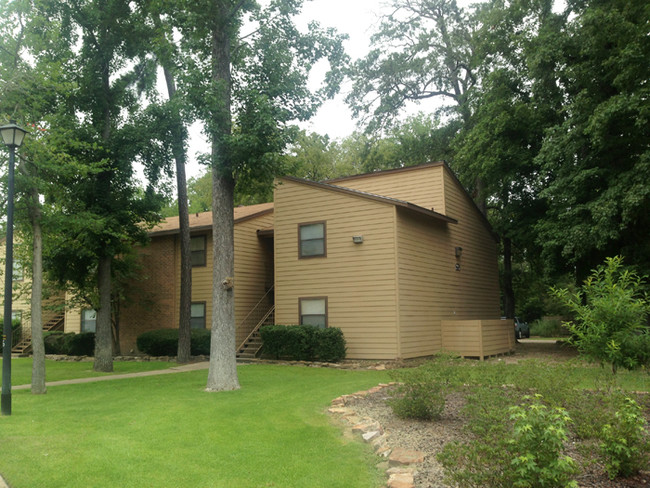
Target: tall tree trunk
{"type": "Point", "coordinates": [38, 347]}
{"type": "Point", "coordinates": [508, 292]}
{"type": "Point", "coordinates": [103, 333]}
{"type": "Point", "coordinates": [185, 306]}
{"type": "Point", "coordinates": [222, 373]}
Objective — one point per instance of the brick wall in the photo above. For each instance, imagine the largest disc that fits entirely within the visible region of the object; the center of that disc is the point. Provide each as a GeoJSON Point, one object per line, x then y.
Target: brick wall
{"type": "Point", "coordinates": [151, 299]}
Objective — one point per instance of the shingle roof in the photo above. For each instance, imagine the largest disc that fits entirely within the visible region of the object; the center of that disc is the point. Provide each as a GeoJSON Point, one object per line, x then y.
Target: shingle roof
{"type": "Point", "coordinates": [203, 220]}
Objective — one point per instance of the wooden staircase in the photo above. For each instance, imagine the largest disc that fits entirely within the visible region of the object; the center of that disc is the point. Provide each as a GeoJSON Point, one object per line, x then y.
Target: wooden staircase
{"type": "Point", "coordinates": [52, 322]}
{"type": "Point", "coordinates": [251, 346]}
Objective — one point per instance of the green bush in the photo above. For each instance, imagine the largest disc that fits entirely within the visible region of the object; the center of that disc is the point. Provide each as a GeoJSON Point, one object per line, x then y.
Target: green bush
{"type": "Point", "coordinates": [624, 444]}
{"type": "Point", "coordinates": [548, 328]}
{"type": "Point", "coordinates": [423, 390]}
{"type": "Point", "coordinates": [54, 342]}
{"type": "Point", "coordinates": [82, 344]}
{"type": "Point", "coordinates": [200, 342]}
{"type": "Point", "coordinates": [164, 342]}
{"type": "Point", "coordinates": [537, 441]}
{"type": "Point", "coordinates": [303, 343]}
{"type": "Point", "coordinates": [522, 451]}
{"type": "Point", "coordinates": [611, 314]}
{"type": "Point", "coordinates": [69, 344]}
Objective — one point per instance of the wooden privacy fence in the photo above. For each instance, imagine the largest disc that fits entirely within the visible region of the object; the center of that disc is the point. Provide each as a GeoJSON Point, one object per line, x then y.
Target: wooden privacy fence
{"type": "Point", "coordinates": [478, 338]}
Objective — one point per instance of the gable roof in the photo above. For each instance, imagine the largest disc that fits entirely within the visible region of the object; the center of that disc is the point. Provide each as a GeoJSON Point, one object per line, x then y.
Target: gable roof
{"type": "Point", "coordinates": [371, 196]}
{"type": "Point", "coordinates": [203, 220]}
{"type": "Point", "coordinates": [445, 166]}
{"type": "Point", "coordinates": [373, 174]}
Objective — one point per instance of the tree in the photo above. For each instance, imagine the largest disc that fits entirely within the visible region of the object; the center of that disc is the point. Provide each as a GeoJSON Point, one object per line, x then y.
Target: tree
{"type": "Point", "coordinates": [596, 160]}
{"type": "Point", "coordinates": [515, 103]}
{"type": "Point", "coordinates": [611, 316]}
{"type": "Point", "coordinates": [101, 216]}
{"type": "Point", "coordinates": [424, 49]}
{"type": "Point", "coordinates": [247, 89]}
{"type": "Point", "coordinates": [167, 56]}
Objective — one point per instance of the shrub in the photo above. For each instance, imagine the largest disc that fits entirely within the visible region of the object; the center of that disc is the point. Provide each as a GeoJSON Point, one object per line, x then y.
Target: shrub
{"type": "Point", "coordinates": [537, 442]}
{"type": "Point", "coordinates": [525, 452]}
{"type": "Point", "coordinates": [611, 316]}
{"type": "Point", "coordinates": [164, 342]}
{"type": "Point", "coordinates": [54, 342]}
{"type": "Point", "coordinates": [69, 344]}
{"type": "Point", "coordinates": [82, 344]}
{"type": "Point", "coordinates": [330, 345]}
{"type": "Point", "coordinates": [199, 342]}
{"type": "Point", "coordinates": [423, 390]}
{"type": "Point", "coordinates": [624, 445]}
{"type": "Point", "coordinates": [548, 328]}
{"type": "Point", "coordinates": [303, 343]}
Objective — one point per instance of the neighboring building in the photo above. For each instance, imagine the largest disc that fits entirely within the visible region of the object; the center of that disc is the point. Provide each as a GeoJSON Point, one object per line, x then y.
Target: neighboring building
{"type": "Point", "coordinates": [401, 260]}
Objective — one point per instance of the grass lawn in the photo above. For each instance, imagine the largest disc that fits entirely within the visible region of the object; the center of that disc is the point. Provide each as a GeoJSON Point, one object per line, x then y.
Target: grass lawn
{"type": "Point", "coordinates": [21, 369]}
{"type": "Point", "coordinates": [165, 431]}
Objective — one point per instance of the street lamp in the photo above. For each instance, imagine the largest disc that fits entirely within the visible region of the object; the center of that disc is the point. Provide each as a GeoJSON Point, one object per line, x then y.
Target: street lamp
{"type": "Point", "coordinates": [12, 136]}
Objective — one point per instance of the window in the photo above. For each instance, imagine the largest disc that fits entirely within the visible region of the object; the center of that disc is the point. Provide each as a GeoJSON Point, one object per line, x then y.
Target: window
{"type": "Point", "coordinates": [17, 270]}
{"type": "Point", "coordinates": [313, 311]}
{"type": "Point", "coordinates": [88, 320]}
{"type": "Point", "coordinates": [16, 317]}
{"type": "Point", "coordinates": [197, 246]}
{"type": "Point", "coordinates": [197, 315]}
{"type": "Point", "coordinates": [312, 240]}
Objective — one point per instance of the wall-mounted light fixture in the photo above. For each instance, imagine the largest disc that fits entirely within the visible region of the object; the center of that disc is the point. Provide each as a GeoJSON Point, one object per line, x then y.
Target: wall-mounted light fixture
{"type": "Point", "coordinates": [459, 251]}
{"type": "Point", "coordinates": [357, 239]}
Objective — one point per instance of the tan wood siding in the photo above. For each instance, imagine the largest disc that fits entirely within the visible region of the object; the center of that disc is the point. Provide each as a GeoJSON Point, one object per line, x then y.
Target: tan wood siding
{"type": "Point", "coordinates": [253, 273]}
{"type": "Point", "coordinates": [477, 295]}
{"type": "Point", "coordinates": [422, 186]}
{"type": "Point", "coordinates": [357, 279]}
{"type": "Point", "coordinates": [478, 338]}
{"type": "Point", "coordinates": [427, 283]}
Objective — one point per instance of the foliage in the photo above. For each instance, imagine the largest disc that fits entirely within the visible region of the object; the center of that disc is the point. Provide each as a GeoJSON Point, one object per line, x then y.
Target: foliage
{"type": "Point", "coordinates": [69, 344]}
{"type": "Point", "coordinates": [303, 343]}
{"type": "Point", "coordinates": [611, 311]}
{"type": "Point", "coordinates": [422, 391]}
{"type": "Point", "coordinates": [625, 444]}
{"type": "Point", "coordinates": [164, 342]}
{"type": "Point", "coordinates": [596, 158]}
{"type": "Point", "coordinates": [537, 440]}
{"type": "Point", "coordinates": [523, 453]}
{"type": "Point", "coordinates": [548, 327]}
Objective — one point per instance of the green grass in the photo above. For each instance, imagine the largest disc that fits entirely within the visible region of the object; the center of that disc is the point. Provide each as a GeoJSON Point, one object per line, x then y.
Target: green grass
{"type": "Point", "coordinates": [165, 431]}
{"type": "Point", "coordinates": [21, 369]}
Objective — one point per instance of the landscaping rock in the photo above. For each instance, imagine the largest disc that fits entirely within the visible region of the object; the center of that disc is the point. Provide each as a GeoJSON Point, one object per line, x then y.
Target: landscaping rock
{"type": "Point", "coordinates": [405, 457]}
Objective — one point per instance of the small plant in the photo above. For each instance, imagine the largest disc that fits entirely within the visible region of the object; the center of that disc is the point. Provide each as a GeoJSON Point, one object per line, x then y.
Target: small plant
{"type": "Point", "coordinates": [624, 444]}
{"type": "Point", "coordinates": [525, 453]}
{"type": "Point", "coordinates": [422, 393]}
{"type": "Point", "coordinates": [538, 439]}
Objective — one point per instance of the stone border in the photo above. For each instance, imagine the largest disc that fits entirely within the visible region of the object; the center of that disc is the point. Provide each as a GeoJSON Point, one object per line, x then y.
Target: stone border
{"type": "Point", "coordinates": [402, 462]}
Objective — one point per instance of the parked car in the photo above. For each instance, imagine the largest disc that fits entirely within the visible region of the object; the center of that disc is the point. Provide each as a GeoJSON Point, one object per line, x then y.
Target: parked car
{"type": "Point", "coordinates": [521, 329]}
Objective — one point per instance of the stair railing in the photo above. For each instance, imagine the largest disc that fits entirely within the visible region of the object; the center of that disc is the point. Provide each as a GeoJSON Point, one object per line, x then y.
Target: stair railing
{"type": "Point", "coordinates": [257, 327]}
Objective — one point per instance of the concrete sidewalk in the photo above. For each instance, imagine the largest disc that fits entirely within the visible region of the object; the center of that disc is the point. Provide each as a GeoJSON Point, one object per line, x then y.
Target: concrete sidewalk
{"type": "Point", "coordinates": [175, 369]}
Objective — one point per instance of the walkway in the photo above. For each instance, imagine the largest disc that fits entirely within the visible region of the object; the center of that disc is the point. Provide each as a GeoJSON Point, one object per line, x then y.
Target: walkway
{"type": "Point", "coordinates": [175, 369]}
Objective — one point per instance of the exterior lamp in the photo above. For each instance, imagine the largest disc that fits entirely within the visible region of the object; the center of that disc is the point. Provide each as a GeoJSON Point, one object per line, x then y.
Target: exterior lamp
{"type": "Point", "coordinates": [12, 136]}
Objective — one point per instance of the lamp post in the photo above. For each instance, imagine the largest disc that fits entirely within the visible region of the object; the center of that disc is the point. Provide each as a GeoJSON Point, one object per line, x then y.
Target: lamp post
{"type": "Point", "coordinates": [12, 136]}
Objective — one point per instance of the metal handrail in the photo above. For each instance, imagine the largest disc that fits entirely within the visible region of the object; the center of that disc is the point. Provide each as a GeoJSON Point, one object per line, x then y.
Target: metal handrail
{"type": "Point", "coordinates": [257, 327]}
